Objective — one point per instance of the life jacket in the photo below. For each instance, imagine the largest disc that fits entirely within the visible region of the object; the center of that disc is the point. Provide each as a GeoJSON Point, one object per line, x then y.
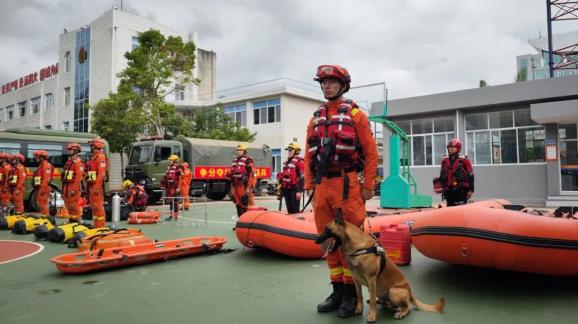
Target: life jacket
{"type": "Point", "coordinates": [334, 141]}
{"type": "Point", "coordinates": [2, 178]}
{"type": "Point", "coordinates": [172, 177]}
{"type": "Point", "coordinates": [37, 175]}
{"type": "Point", "coordinates": [291, 173]}
{"type": "Point", "coordinates": [141, 198]}
{"type": "Point", "coordinates": [455, 174]}
{"type": "Point", "coordinates": [239, 168]}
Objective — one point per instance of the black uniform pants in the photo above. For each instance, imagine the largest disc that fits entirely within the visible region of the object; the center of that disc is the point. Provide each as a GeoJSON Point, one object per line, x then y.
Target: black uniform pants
{"type": "Point", "coordinates": [291, 201]}
{"type": "Point", "coordinates": [455, 197]}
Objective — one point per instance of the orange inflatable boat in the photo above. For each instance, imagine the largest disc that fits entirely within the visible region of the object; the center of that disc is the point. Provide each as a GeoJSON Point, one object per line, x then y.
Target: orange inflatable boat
{"type": "Point", "coordinates": [105, 259]}
{"type": "Point", "coordinates": [501, 239]}
{"type": "Point", "coordinates": [294, 235]}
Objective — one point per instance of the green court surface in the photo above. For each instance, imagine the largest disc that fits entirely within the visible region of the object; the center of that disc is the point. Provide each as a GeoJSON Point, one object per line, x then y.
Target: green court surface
{"type": "Point", "coordinates": [256, 286]}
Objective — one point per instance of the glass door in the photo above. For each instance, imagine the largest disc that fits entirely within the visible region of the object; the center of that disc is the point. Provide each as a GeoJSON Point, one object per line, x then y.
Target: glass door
{"type": "Point", "coordinates": [568, 147]}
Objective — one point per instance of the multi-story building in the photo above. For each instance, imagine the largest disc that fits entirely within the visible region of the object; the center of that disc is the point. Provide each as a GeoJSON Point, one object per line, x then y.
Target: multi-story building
{"type": "Point", "coordinates": [535, 66]}
{"type": "Point", "coordinates": [89, 59]}
{"type": "Point", "coordinates": [521, 138]}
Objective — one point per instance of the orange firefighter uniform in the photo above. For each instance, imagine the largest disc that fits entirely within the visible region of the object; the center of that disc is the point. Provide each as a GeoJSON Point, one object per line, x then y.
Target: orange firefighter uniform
{"type": "Point", "coordinates": [5, 196]}
{"type": "Point", "coordinates": [17, 182]}
{"type": "Point", "coordinates": [185, 184]}
{"type": "Point", "coordinates": [171, 182]}
{"type": "Point", "coordinates": [242, 180]}
{"type": "Point", "coordinates": [42, 178]}
{"type": "Point", "coordinates": [339, 145]}
{"type": "Point", "coordinates": [72, 175]}
{"type": "Point", "coordinates": [96, 176]}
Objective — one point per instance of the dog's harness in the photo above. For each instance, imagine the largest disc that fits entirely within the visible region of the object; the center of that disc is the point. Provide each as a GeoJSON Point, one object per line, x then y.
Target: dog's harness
{"type": "Point", "coordinates": [376, 249]}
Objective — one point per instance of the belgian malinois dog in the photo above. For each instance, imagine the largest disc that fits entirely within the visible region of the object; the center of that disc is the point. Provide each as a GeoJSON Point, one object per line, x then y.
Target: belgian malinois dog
{"type": "Point", "coordinates": [372, 268]}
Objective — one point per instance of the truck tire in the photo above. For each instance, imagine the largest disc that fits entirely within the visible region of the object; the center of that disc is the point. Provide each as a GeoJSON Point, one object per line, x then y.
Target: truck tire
{"type": "Point", "coordinates": [32, 204]}
{"type": "Point", "coordinates": [216, 195]}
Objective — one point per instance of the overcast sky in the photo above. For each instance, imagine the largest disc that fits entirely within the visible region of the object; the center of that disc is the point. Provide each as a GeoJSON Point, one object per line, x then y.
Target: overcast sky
{"type": "Point", "coordinates": [416, 46]}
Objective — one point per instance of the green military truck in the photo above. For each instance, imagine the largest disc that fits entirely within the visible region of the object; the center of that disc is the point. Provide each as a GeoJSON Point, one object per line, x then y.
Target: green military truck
{"type": "Point", "coordinates": [28, 140]}
{"type": "Point", "coordinates": [209, 161]}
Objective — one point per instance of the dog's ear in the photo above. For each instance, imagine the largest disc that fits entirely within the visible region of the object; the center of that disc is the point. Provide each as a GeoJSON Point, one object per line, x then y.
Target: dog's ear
{"type": "Point", "coordinates": [339, 217]}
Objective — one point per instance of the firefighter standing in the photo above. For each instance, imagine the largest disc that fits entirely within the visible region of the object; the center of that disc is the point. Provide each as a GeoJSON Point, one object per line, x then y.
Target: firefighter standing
{"type": "Point", "coordinates": [171, 185]}
{"type": "Point", "coordinates": [456, 175]}
{"type": "Point", "coordinates": [17, 182]}
{"type": "Point", "coordinates": [185, 184]}
{"type": "Point", "coordinates": [72, 175]}
{"type": "Point", "coordinates": [97, 175]}
{"type": "Point", "coordinates": [5, 168]}
{"type": "Point", "coordinates": [42, 178]}
{"type": "Point", "coordinates": [242, 179]}
{"type": "Point", "coordinates": [339, 145]}
{"type": "Point", "coordinates": [291, 178]}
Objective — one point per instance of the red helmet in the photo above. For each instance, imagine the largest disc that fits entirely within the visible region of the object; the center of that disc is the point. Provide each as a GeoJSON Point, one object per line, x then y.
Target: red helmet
{"type": "Point", "coordinates": [455, 143]}
{"type": "Point", "coordinates": [18, 157]}
{"type": "Point", "coordinates": [185, 165]}
{"type": "Point", "coordinates": [40, 153]}
{"type": "Point", "coordinates": [96, 143]}
{"type": "Point", "coordinates": [332, 71]}
{"type": "Point", "coordinates": [74, 146]}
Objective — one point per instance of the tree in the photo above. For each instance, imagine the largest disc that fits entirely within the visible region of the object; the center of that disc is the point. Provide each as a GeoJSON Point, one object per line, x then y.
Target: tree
{"type": "Point", "coordinates": [522, 75]}
{"type": "Point", "coordinates": [214, 123]}
{"type": "Point", "coordinates": [115, 120]}
{"type": "Point", "coordinates": [483, 84]}
{"type": "Point", "coordinates": [154, 69]}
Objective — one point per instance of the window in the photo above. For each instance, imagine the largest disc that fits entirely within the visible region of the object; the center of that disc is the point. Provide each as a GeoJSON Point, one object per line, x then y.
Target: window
{"type": "Point", "coordinates": [67, 96]}
{"type": "Point", "coordinates": [10, 112]}
{"type": "Point", "coordinates": [504, 137]}
{"type": "Point", "coordinates": [275, 162]}
{"type": "Point", "coordinates": [429, 138]}
{"type": "Point", "coordinates": [22, 108]}
{"type": "Point", "coordinates": [47, 126]}
{"type": "Point", "coordinates": [66, 126]}
{"type": "Point", "coordinates": [164, 152]}
{"type": "Point", "coordinates": [10, 147]}
{"type": "Point", "coordinates": [35, 104]}
{"type": "Point", "coordinates": [267, 111]}
{"type": "Point", "coordinates": [568, 156]}
{"type": "Point", "coordinates": [135, 42]}
{"type": "Point", "coordinates": [238, 113]}
{"type": "Point", "coordinates": [81, 81]}
{"type": "Point", "coordinates": [67, 62]}
{"type": "Point", "coordinates": [48, 101]}
{"type": "Point", "coordinates": [179, 92]}
{"type": "Point", "coordinates": [55, 155]}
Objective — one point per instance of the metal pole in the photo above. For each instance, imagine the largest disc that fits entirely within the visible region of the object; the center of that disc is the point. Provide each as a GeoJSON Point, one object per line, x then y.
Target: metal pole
{"type": "Point", "coordinates": [550, 49]}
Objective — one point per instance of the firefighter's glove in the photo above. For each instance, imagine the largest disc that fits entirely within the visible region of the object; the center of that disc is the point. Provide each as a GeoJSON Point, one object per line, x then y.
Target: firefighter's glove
{"type": "Point", "coordinates": [367, 193]}
{"type": "Point", "coordinates": [244, 200]}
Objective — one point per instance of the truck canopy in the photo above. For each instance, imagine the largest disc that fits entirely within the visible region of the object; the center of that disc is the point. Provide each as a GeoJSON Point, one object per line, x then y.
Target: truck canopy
{"type": "Point", "coordinates": [210, 152]}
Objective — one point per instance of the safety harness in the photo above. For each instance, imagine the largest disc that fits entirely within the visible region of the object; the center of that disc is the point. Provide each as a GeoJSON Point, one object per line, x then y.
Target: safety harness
{"type": "Point", "coordinates": [291, 174]}
{"type": "Point", "coordinates": [377, 250]}
{"type": "Point", "coordinates": [239, 168]}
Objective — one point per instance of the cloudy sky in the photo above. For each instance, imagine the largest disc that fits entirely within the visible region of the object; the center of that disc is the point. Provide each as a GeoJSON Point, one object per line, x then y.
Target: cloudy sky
{"type": "Point", "coordinates": [416, 46]}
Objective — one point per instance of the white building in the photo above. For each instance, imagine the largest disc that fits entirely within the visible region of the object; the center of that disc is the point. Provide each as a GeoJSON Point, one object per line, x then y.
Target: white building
{"type": "Point", "coordinates": [277, 110]}
{"type": "Point", "coordinates": [535, 66]}
{"type": "Point", "coordinates": [89, 58]}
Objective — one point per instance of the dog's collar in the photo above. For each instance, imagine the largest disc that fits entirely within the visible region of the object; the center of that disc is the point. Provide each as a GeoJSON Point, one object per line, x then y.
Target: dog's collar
{"type": "Point", "coordinates": [376, 249]}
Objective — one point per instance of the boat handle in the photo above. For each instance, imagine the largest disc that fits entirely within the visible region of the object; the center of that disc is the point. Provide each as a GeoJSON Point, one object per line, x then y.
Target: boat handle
{"type": "Point", "coordinates": [465, 251]}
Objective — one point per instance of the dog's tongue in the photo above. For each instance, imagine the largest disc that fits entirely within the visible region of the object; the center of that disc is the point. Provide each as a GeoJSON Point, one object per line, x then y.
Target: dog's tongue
{"type": "Point", "coordinates": [328, 249]}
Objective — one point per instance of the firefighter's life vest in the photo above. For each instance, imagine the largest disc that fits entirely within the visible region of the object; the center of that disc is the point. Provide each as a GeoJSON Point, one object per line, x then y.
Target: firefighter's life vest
{"type": "Point", "coordinates": [334, 139]}
{"type": "Point", "coordinates": [141, 198]}
{"type": "Point", "coordinates": [2, 175]}
{"type": "Point", "coordinates": [92, 170]}
{"type": "Point", "coordinates": [239, 167]}
{"type": "Point", "coordinates": [290, 175]}
{"type": "Point", "coordinates": [172, 177]}
{"type": "Point", "coordinates": [13, 176]}
{"type": "Point", "coordinates": [37, 175]}
{"type": "Point", "coordinates": [455, 175]}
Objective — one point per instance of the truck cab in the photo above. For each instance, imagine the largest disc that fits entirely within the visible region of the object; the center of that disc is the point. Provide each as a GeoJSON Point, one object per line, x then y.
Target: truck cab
{"type": "Point", "coordinates": [209, 160]}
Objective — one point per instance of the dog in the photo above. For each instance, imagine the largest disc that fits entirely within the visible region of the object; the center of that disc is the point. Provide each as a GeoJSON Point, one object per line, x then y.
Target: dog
{"type": "Point", "coordinates": [370, 267]}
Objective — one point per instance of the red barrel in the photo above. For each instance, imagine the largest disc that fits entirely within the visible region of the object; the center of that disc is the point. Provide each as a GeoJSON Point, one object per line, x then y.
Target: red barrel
{"type": "Point", "coordinates": [396, 240]}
